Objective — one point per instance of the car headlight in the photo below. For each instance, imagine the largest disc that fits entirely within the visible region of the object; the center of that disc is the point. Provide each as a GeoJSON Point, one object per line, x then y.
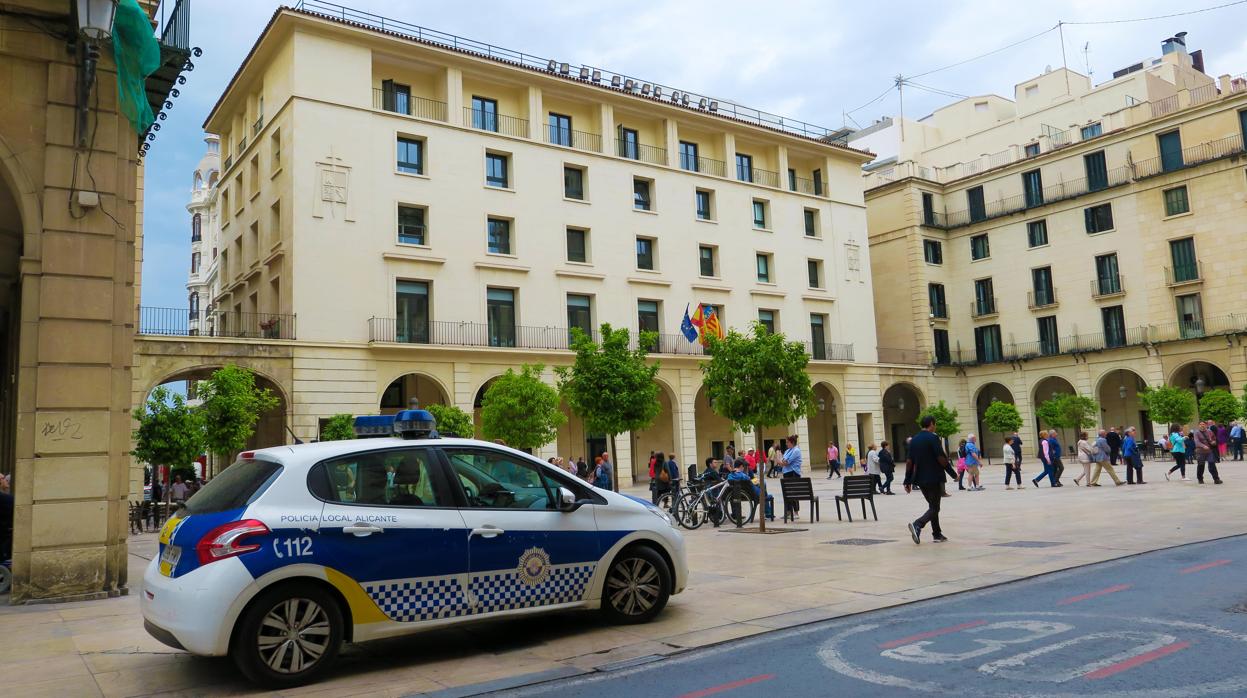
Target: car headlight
{"type": "Point", "coordinates": [661, 514]}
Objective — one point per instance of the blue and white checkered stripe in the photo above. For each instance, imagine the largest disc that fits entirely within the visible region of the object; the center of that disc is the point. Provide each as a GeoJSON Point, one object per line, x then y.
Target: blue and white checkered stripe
{"type": "Point", "coordinates": [503, 590]}
{"type": "Point", "coordinates": [427, 598]}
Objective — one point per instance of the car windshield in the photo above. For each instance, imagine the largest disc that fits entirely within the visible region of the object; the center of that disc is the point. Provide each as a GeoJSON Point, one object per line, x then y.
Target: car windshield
{"type": "Point", "coordinates": [234, 488]}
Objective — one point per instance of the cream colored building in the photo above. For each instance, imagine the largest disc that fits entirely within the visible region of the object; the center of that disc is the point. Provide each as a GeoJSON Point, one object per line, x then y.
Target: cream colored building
{"type": "Point", "coordinates": [405, 219]}
{"type": "Point", "coordinates": [1073, 239]}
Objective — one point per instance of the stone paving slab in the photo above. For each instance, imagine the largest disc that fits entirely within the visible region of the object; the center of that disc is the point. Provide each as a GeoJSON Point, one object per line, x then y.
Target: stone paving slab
{"type": "Point", "coordinates": [739, 586]}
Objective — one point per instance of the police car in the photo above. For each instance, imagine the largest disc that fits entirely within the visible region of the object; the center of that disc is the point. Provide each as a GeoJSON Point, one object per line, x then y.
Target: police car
{"type": "Point", "coordinates": [293, 550]}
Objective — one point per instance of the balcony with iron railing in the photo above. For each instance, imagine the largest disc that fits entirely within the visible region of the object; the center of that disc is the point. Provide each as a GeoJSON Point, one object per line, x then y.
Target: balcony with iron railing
{"type": "Point", "coordinates": [1194, 155]}
{"type": "Point", "coordinates": [257, 126]}
{"type": "Point", "coordinates": [1108, 286]}
{"type": "Point", "coordinates": [1183, 274]}
{"type": "Point", "coordinates": [709, 166]}
{"type": "Point", "coordinates": [939, 311]}
{"type": "Point", "coordinates": [182, 322]}
{"type": "Point", "coordinates": [756, 175]}
{"type": "Point", "coordinates": [410, 105]}
{"type": "Point", "coordinates": [807, 186]}
{"type": "Point", "coordinates": [1042, 299]}
{"type": "Point", "coordinates": [495, 122]}
{"type": "Point", "coordinates": [983, 307]}
{"type": "Point", "coordinates": [633, 150]}
{"type": "Point", "coordinates": [568, 138]}
{"type": "Point", "coordinates": [829, 351]}
{"type": "Point", "coordinates": [1050, 194]}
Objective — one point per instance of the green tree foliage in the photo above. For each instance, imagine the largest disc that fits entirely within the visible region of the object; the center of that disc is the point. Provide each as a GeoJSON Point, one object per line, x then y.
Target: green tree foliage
{"type": "Point", "coordinates": [1069, 412]}
{"type": "Point", "coordinates": [1002, 417]}
{"type": "Point", "coordinates": [946, 423]}
{"type": "Point", "coordinates": [521, 410]}
{"type": "Point", "coordinates": [610, 386]}
{"type": "Point", "coordinates": [169, 432]}
{"type": "Point", "coordinates": [340, 427]}
{"type": "Point", "coordinates": [232, 404]}
{"type": "Point", "coordinates": [1220, 406]}
{"type": "Point", "coordinates": [1169, 405]}
{"type": "Point", "coordinates": [758, 382]}
{"type": "Point", "coordinates": [452, 420]}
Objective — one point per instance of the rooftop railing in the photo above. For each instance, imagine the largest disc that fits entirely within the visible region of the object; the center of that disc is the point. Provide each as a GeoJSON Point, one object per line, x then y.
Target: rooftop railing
{"type": "Point", "coordinates": [183, 322]}
{"type": "Point", "coordinates": [408, 104]}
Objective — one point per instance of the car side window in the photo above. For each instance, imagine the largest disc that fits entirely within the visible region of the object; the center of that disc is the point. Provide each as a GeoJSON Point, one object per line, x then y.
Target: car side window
{"type": "Point", "coordinates": [495, 480]}
{"type": "Point", "coordinates": [397, 478]}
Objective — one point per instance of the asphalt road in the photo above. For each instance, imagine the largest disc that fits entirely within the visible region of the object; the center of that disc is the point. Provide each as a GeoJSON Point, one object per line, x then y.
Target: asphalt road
{"type": "Point", "coordinates": [1166, 624]}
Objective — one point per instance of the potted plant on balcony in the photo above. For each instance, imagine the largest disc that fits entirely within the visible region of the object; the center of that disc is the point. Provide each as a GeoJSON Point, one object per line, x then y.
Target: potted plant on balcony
{"type": "Point", "coordinates": [271, 328]}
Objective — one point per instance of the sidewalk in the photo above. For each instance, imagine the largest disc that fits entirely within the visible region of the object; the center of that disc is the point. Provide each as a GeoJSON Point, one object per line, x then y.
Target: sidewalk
{"type": "Point", "coordinates": [740, 585]}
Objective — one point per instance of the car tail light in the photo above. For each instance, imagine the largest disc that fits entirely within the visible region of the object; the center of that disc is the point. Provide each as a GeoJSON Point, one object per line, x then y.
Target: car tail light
{"type": "Point", "coordinates": [246, 455]}
{"type": "Point", "coordinates": [228, 540]}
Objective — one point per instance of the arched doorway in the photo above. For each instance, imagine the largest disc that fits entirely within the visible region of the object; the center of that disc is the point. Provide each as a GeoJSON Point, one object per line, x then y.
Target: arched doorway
{"type": "Point", "coordinates": [398, 395]}
{"type": "Point", "coordinates": [1118, 395]}
{"type": "Point", "coordinates": [714, 432]}
{"type": "Point", "coordinates": [990, 443]}
{"type": "Point", "coordinates": [476, 406]}
{"type": "Point", "coordinates": [824, 424]}
{"type": "Point", "coordinates": [1045, 390]}
{"type": "Point", "coordinates": [574, 441]}
{"type": "Point", "coordinates": [662, 435]}
{"type": "Point", "coordinates": [10, 320]}
{"type": "Point", "coordinates": [1199, 377]}
{"type": "Point", "coordinates": [902, 403]}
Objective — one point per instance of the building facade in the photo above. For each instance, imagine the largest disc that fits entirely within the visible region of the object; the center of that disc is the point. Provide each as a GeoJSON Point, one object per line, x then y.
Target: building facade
{"type": "Point", "coordinates": [1072, 240]}
{"type": "Point", "coordinates": [410, 219]}
{"type": "Point", "coordinates": [205, 237]}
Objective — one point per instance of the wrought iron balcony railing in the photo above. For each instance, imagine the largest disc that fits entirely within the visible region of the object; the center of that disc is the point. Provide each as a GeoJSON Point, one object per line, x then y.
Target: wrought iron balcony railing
{"type": "Point", "coordinates": [580, 140]}
{"type": "Point", "coordinates": [808, 186]}
{"type": "Point", "coordinates": [408, 104]}
{"type": "Point", "coordinates": [640, 151]}
{"type": "Point", "coordinates": [495, 122]}
{"type": "Point", "coordinates": [182, 322]}
{"type": "Point", "coordinates": [983, 307]}
{"type": "Point", "coordinates": [709, 166]}
{"type": "Point", "coordinates": [1184, 274]}
{"type": "Point", "coordinates": [1042, 299]}
{"type": "Point", "coordinates": [1104, 286]}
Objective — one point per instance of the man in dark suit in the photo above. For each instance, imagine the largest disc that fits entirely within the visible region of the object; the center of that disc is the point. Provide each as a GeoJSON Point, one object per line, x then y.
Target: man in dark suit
{"type": "Point", "coordinates": [927, 468]}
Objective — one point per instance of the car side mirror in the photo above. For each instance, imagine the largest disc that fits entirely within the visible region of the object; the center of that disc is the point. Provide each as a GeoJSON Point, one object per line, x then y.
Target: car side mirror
{"type": "Point", "coordinates": [567, 500]}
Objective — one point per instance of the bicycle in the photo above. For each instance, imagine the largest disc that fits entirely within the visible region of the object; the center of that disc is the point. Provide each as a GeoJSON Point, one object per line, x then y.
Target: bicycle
{"type": "Point", "coordinates": [716, 502]}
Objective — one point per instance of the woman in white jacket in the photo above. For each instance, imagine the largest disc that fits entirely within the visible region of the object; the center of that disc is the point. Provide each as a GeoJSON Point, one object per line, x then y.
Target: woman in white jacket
{"type": "Point", "coordinates": [872, 468]}
{"type": "Point", "coordinates": [1011, 464]}
{"type": "Point", "coordinates": [1086, 453]}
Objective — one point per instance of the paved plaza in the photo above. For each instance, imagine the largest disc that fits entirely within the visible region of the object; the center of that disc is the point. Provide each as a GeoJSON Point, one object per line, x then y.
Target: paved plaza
{"type": "Point", "coordinates": [740, 585]}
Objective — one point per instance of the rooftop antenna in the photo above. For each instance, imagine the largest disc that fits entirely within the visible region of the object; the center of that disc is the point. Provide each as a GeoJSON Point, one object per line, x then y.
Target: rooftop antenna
{"type": "Point", "coordinates": [1086, 56]}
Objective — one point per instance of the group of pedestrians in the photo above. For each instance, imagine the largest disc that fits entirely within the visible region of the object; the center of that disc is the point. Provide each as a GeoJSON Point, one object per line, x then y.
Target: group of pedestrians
{"type": "Point", "coordinates": [1206, 446]}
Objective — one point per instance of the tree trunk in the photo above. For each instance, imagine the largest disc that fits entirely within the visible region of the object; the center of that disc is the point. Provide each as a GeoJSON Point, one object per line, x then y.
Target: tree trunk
{"type": "Point", "coordinates": [614, 466]}
{"type": "Point", "coordinates": [757, 444]}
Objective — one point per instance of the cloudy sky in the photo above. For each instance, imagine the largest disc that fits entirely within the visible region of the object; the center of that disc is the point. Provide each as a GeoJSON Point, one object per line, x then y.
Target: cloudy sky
{"type": "Point", "coordinates": [809, 59]}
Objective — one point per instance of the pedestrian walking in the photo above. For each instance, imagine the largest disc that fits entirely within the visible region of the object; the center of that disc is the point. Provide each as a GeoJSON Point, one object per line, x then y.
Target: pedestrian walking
{"type": "Point", "coordinates": [1206, 454]}
{"type": "Point", "coordinates": [1223, 441]}
{"type": "Point", "coordinates": [872, 468]}
{"type": "Point", "coordinates": [974, 461]}
{"type": "Point", "coordinates": [1045, 459]}
{"type": "Point", "coordinates": [1054, 452]}
{"type": "Point", "coordinates": [833, 460]}
{"type": "Point", "coordinates": [1102, 464]}
{"type": "Point", "coordinates": [1130, 456]}
{"type": "Point", "coordinates": [850, 459]}
{"type": "Point", "coordinates": [660, 477]}
{"type": "Point", "coordinates": [927, 468]}
{"type": "Point", "coordinates": [1114, 445]}
{"type": "Point", "coordinates": [961, 464]}
{"type": "Point", "coordinates": [1236, 439]}
{"type": "Point", "coordinates": [1012, 469]}
{"type": "Point", "coordinates": [790, 464]}
{"type": "Point", "coordinates": [1085, 454]}
{"type": "Point", "coordinates": [1177, 447]}
{"type": "Point", "coordinates": [178, 489]}
{"type": "Point", "coordinates": [887, 466]}
{"type": "Point", "coordinates": [773, 458]}
{"type": "Point", "coordinates": [602, 472]}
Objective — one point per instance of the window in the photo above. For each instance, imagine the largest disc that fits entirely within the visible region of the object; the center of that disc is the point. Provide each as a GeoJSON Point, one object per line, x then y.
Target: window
{"type": "Point", "coordinates": [811, 222]}
{"type": "Point", "coordinates": [574, 183]}
{"type": "Point", "coordinates": [818, 182]}
{"type": "Point", "coordinates": [496, 170]}
{"type": "Point", "coordinates": [645, 253]}
{"type": "Point", "coordinates": [1170, 151]}
{"type": "Point", "coordinates": [706, 258]}
{"type": "Point", "coordinates": [577, 245]}
{"type": "Point", "coordinates": [818, 337]}
{"type": "Point", "coordinates": [1037, 233]}
{"type": "Point", "coordinates": [939, 338]}
{"type": "Point", "coordinates": [395, 97]}
{"type": "Point", "coordinates": [629, 144]}
{"type": "Point", "coordinates": [196, 227]}
{"type": "Point", "coordinates": [978, 209]}
{"type": "Point", "coordinates": [411, 312]}
{"type": "Point", "coordinates": [398, 478]}
{"type": "Point", "coordinates": [759, 214]}
{"type": "Point", "coordinates": [792, 179]}
{"type": "Point", "coordinates": [1049, 344]}
{"type": "Point", "coordinates": [495, 480]}
{"type": "Point", "coordinates": [1242, 124]}
{"type": "Point", "coordinates": [641, 195]}
{"type": "Point", "coordinates": [411, 225]}
{"type": "Point", "coordinates": [688, 157]}
{"type": "Point", "coordinates": [580, 313]}
{"type": "Point", "coordinates": [1041, 287]}
{"type": "Point", "coordinates": [647, 316]}
{"type": "Point", "coordinates": [979, 247]}
{"type": "Point", "coordinates": [764, 267]}
{"type": "Point", "coordinates": [194, 262]}
{"type": "Point", "coordinates": [987, 347]}
{"type": "Point", "coordinates": [984, 297]}
{"type": "Point", "coordinates": [1185, 266]}
{"type": "Point", "coordinates": [767, 318]}
{"type": "Point", "coordinates": [194, 304]}
{"type": "Point", "coordinates": [744, 167]}
{"type": "Point", "coordinates": [935, 296]}
{"type": "Point", "coordinates": [928, 208]}
{"type": "Point", "coordinates": [1032, 188]}
{"type": "Point", "coordinates": [500, 316]}
{"type": "Point", "coordinates": [1031, 150]}
{"type": "Point", "coordinates": [274, 145]}
{"type": "Point", "coordinates": [1099, 218]}
{"type": "Point", "coordinates": [702, 200]}
{"type": "Point", "coordinates": [1032, 91]}
{"type": "Point", "coordinates": [499, 235]}
{"type": "Point", "coordinates": [560, 129]}
{"type": "Point", "coordinates": [1114, 326]}
{"type": "Point", "coordinates": [410, 156]}
{"type": "Point", "coordinates": [814, 270]}
{"type": "Point", "coordinates": [1106, 277]}
{"type": "Point", "coordinates": [485, 114]}
{"type": "Point", "coordinates": [1097, 171]}
{"type": "Point", "coordinates": [1176, 201]}
{"type": "Point", "coordinates": [1190, 316]}
{"type": "Point", "coordinates": [933, 251]}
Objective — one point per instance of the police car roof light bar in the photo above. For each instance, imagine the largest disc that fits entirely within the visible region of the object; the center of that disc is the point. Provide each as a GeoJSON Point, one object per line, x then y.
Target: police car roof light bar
{"type": "Point", "coordinates": [415, 424]}
{"type": "Point", "coordinates": [374, 426]}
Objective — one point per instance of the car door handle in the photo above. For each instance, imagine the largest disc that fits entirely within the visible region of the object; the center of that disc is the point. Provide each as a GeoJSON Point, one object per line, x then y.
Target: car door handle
{"type": "Point", "coordinates": [486, 532]}
{"type": "Point", "coordinates": [362, 529]}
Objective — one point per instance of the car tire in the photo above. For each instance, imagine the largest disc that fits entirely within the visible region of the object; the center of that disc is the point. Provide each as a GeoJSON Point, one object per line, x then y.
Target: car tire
{"type": "Point", "coordinates": [300, 654]}
{"type": "Point", "coordinates": [636, 587]}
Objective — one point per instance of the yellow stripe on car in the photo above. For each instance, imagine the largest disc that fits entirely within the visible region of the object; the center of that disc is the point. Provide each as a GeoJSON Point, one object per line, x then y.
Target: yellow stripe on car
{"type": "Point", "coordinates": [363, 608]}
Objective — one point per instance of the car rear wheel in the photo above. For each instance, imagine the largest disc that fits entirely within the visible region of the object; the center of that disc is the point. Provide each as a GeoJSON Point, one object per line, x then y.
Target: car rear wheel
{"type": "Point", "coordinates": [288, 636]}
{"type": "Point", "coordinates": [637, 586]}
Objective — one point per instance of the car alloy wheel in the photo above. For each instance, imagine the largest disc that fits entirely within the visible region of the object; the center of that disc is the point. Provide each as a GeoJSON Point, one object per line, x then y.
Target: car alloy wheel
{"type": "Point", "coordinates": [633, 586]}
{"type": "Point", "coordinates": [293, 636]}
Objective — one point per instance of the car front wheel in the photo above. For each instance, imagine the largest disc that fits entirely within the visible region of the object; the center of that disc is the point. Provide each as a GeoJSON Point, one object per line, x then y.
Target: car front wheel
{"type": "Point", "coordinates": [288, 636]}
{"type": "Point", "coordinates": [637, 586]}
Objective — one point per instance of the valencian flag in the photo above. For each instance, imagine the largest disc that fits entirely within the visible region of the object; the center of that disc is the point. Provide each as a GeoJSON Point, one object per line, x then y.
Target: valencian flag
{"type": "Point", "coordinates": [710, 324]}
{"type": "Point", "coordinates": [686, 326]}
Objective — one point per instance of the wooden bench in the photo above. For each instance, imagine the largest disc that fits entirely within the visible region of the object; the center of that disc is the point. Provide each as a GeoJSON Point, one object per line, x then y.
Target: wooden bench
{"type": "Point", "coordinates": [798, 489]}
{"type": "Point", "coordinates": [857, 487]}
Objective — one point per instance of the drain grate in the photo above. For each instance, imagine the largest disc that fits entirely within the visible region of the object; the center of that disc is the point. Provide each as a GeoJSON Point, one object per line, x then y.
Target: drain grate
{"type": "Point", "coordinates": [859, 541]}
{"type": "Point", "coordinates": [1028, 544]}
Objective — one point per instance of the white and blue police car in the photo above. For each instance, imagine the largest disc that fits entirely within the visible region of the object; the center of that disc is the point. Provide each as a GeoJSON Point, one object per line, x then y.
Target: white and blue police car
{"type": "Point", "coordinates": [293, 550]}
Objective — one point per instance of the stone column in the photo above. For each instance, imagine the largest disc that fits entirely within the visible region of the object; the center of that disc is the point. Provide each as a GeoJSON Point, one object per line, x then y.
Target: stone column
{"type": "Point", "coordinates": [690, 381]}
{"type": "Point", "coordinates": [454, 96]}
{"type": "Point", "coordinates": [672, 138]}
{"type": "Point", "coordinates": [623, 458]}
{"type": "Point", "coordinates": [536, 114]}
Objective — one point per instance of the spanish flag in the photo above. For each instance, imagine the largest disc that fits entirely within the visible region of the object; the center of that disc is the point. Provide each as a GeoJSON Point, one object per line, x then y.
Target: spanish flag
{"type": "Point", "coordinates": [711, 324]}
{"type": "Point", "coordinates": [697, 319]}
